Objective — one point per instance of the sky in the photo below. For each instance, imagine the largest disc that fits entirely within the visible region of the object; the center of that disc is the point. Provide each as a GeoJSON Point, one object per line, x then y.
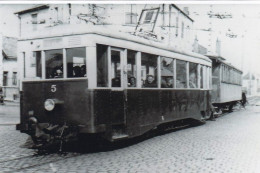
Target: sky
{"type": "Point", "coordinates": [9, 22]}
{"type": "Point", "coordinates": [242, 50]}
{"type": "Point", "coordinates": [239, 35]}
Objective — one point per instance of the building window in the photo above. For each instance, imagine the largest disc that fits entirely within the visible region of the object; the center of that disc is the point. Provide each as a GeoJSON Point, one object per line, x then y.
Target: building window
{"type": "Point", "coordinates": [148, 17]}
{"type": "Point", "coordinates": [24, 64]}
{"type": "Point", "coordinates": [177, 26]}
{"type": "Point", "coordinates": [34, 21]}
{"type": "Point", "coordinates": [182, 30]}
{"type": "Point", "coordinates": [76, 62]}
{"type": "Point", "coordinates": [130, 18]}
{"type": "Point", "coordinates": [14, 78]}
{"type": "Point", "coordinates": [5, 78]}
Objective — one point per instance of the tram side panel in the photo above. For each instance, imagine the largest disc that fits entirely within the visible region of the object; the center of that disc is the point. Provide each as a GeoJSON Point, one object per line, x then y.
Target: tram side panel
{"type": "Point", "coordinates": [230, 92]}
{"type": "Point", "coordinates": [147, 109]}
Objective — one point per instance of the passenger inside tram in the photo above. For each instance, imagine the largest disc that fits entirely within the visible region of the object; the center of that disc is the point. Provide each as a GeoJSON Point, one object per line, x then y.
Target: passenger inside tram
{"type": "Point", "coordinates": [77, 71]}
{"type": "Point", "coordinates": [116, 82]}
{"type": "Point", "coordinates": [131, 82]}
{"type": "Point", "coordinates": [57, 73]}
{"type": "Point", "coordinates": [167, 82]}
{"type": "Point", "coordinates": [180, 84]}
{"type": "Point", "coordinates": [192, 80]}
{"type": "Point", "coordinates": [150, 82]}
{"type": "Point", "coordinates": [83, 71]}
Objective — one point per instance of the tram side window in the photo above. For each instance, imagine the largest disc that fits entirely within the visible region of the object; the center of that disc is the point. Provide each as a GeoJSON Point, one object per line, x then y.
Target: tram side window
{"type": "Point", "coordinates": [115, 68]}
{"type": "Point", "coordinates": [76, 62]}
{"type": "Point", "coordinates": [201, 76]}
{"type": "Point", "coordinates": [149, 70]}
{"type": "Point", "coordinates": [131, 68]}
{"type": "Point", "coordinates": [193, 75]}
{"type": "Point", "coordinates": [102, 66]}
{"type": "Point", "coordinates": [181, 74]}
{"type": "Point", "coordinates": [54, 63]}
{"type": "Point", "coordinates": [38, 63]}
{"type": "Point", "coordinates": [167, 73]}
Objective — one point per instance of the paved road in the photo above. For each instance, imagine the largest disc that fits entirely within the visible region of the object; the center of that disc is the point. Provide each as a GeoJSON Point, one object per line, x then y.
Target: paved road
{"type": "Point", "coordinates": [229, 145]}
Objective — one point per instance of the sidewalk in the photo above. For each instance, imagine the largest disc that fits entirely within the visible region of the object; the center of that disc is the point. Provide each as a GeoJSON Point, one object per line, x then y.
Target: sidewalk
{"type": "Point", "coordinates": [11, 103]}
{"type": "Point", "coordinates": [10, 113]}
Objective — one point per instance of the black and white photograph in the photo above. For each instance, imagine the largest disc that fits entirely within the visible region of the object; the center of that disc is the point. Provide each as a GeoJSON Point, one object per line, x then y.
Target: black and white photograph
{"type": "Point", "coordinates": [129, 86]}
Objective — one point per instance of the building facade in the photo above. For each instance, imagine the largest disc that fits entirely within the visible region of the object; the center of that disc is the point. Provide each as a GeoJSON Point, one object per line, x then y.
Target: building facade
{"type": "Point", "coordinates": [165, 22]}
{"type": "Point", "coordinates": [9, 68]}
{"type": "Point", "coordinates": [251, 84]}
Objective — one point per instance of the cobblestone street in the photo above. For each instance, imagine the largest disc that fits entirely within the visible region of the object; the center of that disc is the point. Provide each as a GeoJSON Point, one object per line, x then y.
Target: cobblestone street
{"type": "Point", "coordinates": [231, 144]}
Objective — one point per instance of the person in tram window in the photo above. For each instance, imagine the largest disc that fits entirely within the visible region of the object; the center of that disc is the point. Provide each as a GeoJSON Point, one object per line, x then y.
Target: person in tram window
{"type": "Point", "coordinates": [116, 82]}
{"type": "Point", "coordinates": [192, 80]}
{"type": "Point", "coordinates": [180, 84]}
{"type": "Point", "coordinates": [76, 71]}
{"type": "Point", "coordinates": [131, 82]}
{"type": "Point", "coordinates": [83, 72]}
{"type": "Point", "coordinates": [58, 72]}
{"type": "Point", "coordinates": [150, 82]}
{"type": "Point", "coordinates": [167, 83]}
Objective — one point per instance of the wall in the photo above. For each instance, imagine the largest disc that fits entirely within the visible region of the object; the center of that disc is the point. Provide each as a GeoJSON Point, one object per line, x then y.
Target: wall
{"type": "Point", "coordinates": [114, 16]}
{"type": "Point", "coordinates": [1, 60]}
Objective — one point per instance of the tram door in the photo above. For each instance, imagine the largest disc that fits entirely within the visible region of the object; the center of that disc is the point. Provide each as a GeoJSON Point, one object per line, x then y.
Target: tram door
{"type": "Point", "coordinates": [117, 81]}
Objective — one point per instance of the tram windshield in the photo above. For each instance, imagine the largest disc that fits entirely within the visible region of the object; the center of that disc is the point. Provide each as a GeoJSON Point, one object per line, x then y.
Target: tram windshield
{"type": "Point", "coordinates": [54, 63]}
{"type": "Point", "coordinates": [76, 62]}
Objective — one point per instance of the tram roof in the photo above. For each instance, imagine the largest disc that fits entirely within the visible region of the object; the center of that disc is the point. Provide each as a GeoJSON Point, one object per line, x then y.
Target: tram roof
{"type": "Point", "coordinates": [68, 30]}
{"type": "Point", "coordinates": [222, 60]}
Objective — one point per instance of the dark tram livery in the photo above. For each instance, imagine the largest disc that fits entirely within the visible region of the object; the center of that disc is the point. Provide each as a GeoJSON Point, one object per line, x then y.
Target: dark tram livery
{"type": "Point", "coordinates": [114, 85]}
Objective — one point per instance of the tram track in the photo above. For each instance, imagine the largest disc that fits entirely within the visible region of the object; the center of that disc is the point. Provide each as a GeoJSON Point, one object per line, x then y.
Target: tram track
{"type": "Point", "coordinates": [17, 158]}
{"type": "Point", "coordinates": [32, 161]}
{"type": "Point", "coordinates": [6, 124]}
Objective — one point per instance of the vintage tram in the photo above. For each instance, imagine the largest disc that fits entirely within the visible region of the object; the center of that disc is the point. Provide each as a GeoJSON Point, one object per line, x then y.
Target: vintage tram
{"type": "Point", "coordinates": [226, 84]}
{"type": "Point", "coordinates": [116, 85]}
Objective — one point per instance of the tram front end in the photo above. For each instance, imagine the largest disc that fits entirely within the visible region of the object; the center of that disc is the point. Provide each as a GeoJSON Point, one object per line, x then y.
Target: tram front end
{"type": "Point", "coordinates": [55, 110]}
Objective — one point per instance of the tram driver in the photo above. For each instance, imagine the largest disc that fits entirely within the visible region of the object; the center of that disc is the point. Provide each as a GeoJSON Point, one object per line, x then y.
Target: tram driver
{"type": "Point", "coordinates": [57, 72]}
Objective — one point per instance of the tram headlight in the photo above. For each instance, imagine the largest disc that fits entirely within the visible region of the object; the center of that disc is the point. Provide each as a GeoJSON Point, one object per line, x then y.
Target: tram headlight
{"type": "Point", "coordinates": [49, 104]}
